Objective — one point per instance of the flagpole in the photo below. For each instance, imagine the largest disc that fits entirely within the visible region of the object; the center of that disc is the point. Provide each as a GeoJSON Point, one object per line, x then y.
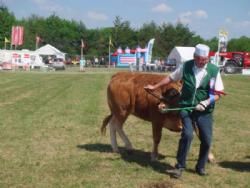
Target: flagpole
{"type": "Point", "coordinates": [109, 55]}
{"type": "Point", "coordinates": [81, 52]}
{"type": "Point", "coordinates": [82, 45]}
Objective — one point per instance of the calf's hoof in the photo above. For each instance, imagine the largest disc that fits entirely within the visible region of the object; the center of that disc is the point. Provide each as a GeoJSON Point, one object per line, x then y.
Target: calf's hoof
{"type": "Point", "coordinates": [211, 158]}
{"type": "Point", "coordinates": [129, 151]}
{"type": "Point", "coordinates": [116, 150]}
{"type": "Point", "coordinates": [154, 157]}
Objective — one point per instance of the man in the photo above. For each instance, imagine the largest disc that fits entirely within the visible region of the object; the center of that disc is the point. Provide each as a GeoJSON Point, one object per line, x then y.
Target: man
{"type": "Point", "coordinates": [202, 87]}
{"type": "Point", "coordinates": [82, 64]}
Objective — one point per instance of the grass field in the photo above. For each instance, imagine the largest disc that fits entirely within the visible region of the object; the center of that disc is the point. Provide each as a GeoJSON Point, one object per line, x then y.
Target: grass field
{"type": "Point", "coordinates": [50, 137]}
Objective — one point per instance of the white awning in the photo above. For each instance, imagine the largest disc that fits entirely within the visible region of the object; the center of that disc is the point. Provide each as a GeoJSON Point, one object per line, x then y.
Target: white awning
{"type": "Point", "coordinates": [181, 54]}
{"type": "Point", "coordinates": [50, 50]}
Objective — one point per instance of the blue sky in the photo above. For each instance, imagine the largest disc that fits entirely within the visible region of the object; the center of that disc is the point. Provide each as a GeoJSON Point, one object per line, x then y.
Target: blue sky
{"type": "Point", "coordinates": [204, 17]}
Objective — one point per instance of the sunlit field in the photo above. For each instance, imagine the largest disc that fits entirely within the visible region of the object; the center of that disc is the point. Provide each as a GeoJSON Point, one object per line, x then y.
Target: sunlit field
{"type": "Point", "coordinates": [50, 136]}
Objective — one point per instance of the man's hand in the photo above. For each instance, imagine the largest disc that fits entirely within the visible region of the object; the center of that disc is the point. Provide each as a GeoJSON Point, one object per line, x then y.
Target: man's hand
{"type": "Point", "coordinates": [202, 105]}
{"type": "Point", "coordinates": [149, 87]}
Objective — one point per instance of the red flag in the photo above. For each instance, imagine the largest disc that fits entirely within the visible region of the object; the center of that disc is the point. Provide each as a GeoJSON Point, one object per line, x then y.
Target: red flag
{"type": "Point", "coordinates": [17, 35]}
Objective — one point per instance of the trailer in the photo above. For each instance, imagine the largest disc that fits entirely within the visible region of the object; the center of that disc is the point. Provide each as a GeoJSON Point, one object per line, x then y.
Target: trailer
{"type": "Point", "coordinates": [26, 59]}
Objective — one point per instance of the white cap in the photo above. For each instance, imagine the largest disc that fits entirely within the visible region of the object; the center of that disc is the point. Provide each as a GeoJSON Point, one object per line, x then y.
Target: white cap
{"type": "Point", "coordinates": [201, 50]}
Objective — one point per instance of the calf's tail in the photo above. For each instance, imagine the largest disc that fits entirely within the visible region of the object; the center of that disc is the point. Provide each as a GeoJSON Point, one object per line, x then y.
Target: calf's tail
{"type": "Point", "coordinates": [105, 123]}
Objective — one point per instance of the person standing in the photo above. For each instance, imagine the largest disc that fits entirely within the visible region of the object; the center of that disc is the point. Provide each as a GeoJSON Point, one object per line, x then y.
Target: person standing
{"type": "Point", "coordinates": [202, 87]}
{"type": "Point", "coordinates": [82, 64]}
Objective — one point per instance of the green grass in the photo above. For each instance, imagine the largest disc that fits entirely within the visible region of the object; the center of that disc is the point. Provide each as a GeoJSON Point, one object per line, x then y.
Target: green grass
{"type": "Point", "coordinates": [50, 137]}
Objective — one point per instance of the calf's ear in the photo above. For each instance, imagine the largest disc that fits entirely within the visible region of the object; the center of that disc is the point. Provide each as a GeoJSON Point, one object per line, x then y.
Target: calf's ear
{"type": "Point", "coordinates": [180, 83]}
{"type": "Point", "coordinates": [173, 92]}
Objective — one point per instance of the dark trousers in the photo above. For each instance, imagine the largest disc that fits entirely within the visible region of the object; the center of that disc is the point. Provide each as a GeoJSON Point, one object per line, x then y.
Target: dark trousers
{"type": "Point", "coordinates": [204, 123]}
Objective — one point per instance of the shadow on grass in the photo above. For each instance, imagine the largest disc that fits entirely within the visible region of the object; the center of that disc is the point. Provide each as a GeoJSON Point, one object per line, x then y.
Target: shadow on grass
{"type": "Point", "coordinates": [135, 156]}
{"type": "Point", "coordinates": [96, 147]}
{"type": "Point", "coordinates": [236, 165]}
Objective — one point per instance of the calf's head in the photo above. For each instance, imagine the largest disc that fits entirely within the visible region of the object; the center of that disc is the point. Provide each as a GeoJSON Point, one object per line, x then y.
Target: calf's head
{"type": "Point", "coordinates": [170, 95]}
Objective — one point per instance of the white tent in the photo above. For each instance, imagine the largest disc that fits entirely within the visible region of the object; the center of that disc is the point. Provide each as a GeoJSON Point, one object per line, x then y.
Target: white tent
{"type": "Point", "coordinates": [181, 54]}
{"type": "Point", "coordinates": [50, 51]}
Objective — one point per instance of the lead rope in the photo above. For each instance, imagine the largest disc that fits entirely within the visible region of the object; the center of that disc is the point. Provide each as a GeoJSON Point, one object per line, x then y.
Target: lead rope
{"type": "Point", "coordinates": [176, 109]}
{"type": "Point", "coordinates": [168, 109]}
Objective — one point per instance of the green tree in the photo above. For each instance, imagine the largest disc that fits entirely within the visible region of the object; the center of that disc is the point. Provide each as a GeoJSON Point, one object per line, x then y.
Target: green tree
{"type": "Point", "coordinates": [66, 35]}
{"type": "Point", "coordinates": [123, 35]}
{"type": "Point", "coordinates": [171, 36]}
{"type": "Point", "coordinates": [196, 39]}
{"type": "Point", "coordinates": [241, 44]}
{"type": "Point", "coordinates": [212, 43]}
{"type": "Point", "coordinates": [146, 32]}
{"type": "Point", "coordinates": [33, 26]}
{"type": "Point", "coordinates": [7, 20]}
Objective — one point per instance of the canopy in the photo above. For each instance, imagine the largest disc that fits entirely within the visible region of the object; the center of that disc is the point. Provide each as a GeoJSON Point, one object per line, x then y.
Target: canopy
{"type": "Point", "coordinates": [180, 54]}
{"type": "Point", "coordinates": [50, 50]}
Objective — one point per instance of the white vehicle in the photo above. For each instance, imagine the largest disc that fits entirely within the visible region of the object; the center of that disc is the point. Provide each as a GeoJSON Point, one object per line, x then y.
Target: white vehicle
{"type": "Point", "coordinates": [58, 64]}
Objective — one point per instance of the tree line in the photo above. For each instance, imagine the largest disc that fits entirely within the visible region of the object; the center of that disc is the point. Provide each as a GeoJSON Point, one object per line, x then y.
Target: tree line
{"type": "Point", "coordinates": [66, 35]}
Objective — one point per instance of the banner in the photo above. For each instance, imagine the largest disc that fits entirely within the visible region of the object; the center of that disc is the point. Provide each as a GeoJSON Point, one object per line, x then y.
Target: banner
{"type": "Point", "coordinates": [148, 55]}
{"type": "Point", "coordinates": [17, 35]}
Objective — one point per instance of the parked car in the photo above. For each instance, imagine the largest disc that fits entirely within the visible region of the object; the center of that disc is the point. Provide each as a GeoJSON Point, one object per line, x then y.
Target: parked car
{"type": "Point", "coordinates": [58, 64]}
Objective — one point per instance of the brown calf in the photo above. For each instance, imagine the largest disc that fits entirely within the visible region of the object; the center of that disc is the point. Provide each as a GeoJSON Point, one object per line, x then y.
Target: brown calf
{"type": "Point", "coordinates": [126, 95]}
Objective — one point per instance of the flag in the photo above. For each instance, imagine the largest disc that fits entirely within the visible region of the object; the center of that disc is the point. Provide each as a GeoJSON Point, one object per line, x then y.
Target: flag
{"type": "Point", "coordinates": [38, 39]}
{"type": "Point", "coordinates": [17, 35]}
{"type": "Point", "coordinates": [82, 44]}
{"type": "Point", "coordinates": [6, 40]}
{"type": "Point", "coordinates": [148, 55]}
{"type": "Point", "coordinates": [110, 42]}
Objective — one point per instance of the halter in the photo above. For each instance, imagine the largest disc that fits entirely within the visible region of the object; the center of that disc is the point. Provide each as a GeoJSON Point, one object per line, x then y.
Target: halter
{"type": "Point", "coordinates": [161, 98]}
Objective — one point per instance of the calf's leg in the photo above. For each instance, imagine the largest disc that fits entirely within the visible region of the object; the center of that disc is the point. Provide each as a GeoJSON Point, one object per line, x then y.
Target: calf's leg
{"type": "Point", "coordinates": [119, 122]}
{"type": "Point", "coordinates": [123, 136]}
{"type": "Point", "coordinates": [157, 132]}
{"type": "Point", "coordinates": [117, 126]}
{"type": "Point", "coordinates": [113, 139]}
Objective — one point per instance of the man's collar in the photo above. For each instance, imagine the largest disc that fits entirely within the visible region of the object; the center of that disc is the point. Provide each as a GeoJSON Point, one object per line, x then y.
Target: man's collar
{"type": "Point", "coordinates": [199, 69]}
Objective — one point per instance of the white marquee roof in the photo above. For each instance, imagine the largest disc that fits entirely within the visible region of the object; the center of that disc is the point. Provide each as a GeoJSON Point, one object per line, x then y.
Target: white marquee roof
{"type": "Point", "coordinates": [181, 54]}
{"type": "Point", "coordinates": [50, 50]}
